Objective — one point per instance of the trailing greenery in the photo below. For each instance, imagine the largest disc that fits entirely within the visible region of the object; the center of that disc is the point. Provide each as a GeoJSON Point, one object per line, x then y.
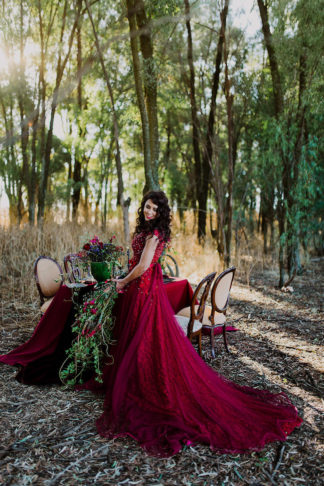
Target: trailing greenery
{"type": "Point", "coordinates": [93, 326]}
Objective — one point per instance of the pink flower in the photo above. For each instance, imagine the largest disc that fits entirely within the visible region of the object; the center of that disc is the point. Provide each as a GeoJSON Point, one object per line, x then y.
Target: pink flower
{"type": "Point", "coordinates": [92, 333]}
{"type": "Point", "coordinates": [92, 302]}
{"type": "Point", "coordinates": [93, 311]}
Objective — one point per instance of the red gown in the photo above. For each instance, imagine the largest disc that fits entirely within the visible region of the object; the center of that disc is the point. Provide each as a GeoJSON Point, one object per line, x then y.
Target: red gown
{"type": "Point", "coordinates": [160, 392]}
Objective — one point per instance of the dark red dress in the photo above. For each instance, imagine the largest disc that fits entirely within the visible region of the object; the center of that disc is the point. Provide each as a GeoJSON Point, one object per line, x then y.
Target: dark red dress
{"type": "Point", "coordinates": [160, 392]}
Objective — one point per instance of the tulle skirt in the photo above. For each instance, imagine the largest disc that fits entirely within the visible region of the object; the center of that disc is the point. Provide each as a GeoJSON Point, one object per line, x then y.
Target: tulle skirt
{"type": "Point", "coordinates": [161, 393]}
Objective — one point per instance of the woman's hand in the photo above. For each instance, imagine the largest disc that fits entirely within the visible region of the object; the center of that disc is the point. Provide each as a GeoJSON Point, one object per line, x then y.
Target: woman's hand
{"type": "Point", "coordinates": [120, 284]}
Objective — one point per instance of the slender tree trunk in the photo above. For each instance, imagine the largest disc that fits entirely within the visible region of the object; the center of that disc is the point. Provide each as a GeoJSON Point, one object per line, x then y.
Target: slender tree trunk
{"type": "Point", "coordinates": [61, 64]}
{"type": "Point", "coordinates": [151, 182]}
{"type": "Point", "coordinates": [278, 107]}
{"type": "Point", "coordinates": [24, 128]}
{"type": "Point", "coordinates": [150, 84]}
{"type": "Point", "coordinates": [193, 104]}
{"type": "Point", "coordinates": [33, 181]}
{"type": "Point", "coordinates": [120, 197]}
{"type": "Point", "coordinates": [77, 183]}
{"type": "Point", "coordinates": [68, 193]}
{"type": "Point", "coordinates": [208, 149]}
{"type": "Point", "coordinates": [290, 163]}
{"type": "Point", "coordinates": [293, 257]}
{"type": "Point", "coordinates": [85, 185]}
{"type": "Point", "coordinates": [274, 69]}
{"type": "Point", "coordinates": [9, 178]}
{"type": "Point", "coordinates": [230, 135]}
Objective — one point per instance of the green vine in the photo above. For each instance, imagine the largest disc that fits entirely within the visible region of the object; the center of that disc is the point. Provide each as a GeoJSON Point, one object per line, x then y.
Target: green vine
{"type": "Point", "coordinates": [93, 326]}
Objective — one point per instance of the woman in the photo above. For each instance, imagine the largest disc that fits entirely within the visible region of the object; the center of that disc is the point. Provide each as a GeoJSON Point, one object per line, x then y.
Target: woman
{"type": "Point", "coordinates": [159, 391]}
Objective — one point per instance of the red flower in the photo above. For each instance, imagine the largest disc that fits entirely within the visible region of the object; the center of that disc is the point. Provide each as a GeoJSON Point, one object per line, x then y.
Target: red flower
{"type": "Point", "coordinates": [93, 311]}
{"type": "Point", "coordinates": [86, 247]}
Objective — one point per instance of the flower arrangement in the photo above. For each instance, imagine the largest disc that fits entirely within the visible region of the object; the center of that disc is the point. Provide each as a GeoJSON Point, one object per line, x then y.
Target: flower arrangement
{"type": "Point", "coordinates": [97, 251]}
{"type": "Point", "coordinates": [94, 320]}
{"type": "Point", "coordinates": [93, 327]}
{"type": "Point", "coordinates": [104, 258]}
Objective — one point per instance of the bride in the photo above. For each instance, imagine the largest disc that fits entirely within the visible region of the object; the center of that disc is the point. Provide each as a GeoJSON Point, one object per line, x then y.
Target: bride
{"type": "Point", "coordinates": [159, 391]}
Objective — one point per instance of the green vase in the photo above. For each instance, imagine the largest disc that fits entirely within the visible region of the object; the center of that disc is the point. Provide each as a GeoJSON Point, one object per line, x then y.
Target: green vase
{"type": "Point", "coordinates": [101, 271]}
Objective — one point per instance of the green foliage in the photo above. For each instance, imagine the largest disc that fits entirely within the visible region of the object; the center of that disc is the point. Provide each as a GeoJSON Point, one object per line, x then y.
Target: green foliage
{"type": "Point", "coordinates": [92, 328]}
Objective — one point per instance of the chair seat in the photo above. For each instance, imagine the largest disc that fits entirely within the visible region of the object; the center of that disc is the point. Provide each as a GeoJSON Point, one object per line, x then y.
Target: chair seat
{"type": "Point", "coordinates": [218, 318]}
{"type": "Point", "coordinates": [46, 305]}
{"type": "Point", "coordinates": [184, 321]}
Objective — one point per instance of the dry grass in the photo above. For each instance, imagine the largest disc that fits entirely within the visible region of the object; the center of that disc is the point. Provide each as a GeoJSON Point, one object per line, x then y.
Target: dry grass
{"type": "Point", "coordinates": [48, 434]}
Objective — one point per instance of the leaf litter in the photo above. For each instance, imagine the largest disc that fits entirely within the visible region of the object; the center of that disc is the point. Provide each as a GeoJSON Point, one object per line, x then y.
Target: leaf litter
{"type": "Point", "coordinates": [49, 436]}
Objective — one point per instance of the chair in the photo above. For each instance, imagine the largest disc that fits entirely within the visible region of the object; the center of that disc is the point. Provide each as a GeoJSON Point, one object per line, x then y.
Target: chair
{"type": "Point", "coordinates": [192, 323]}
{"type": "Point", "coordinates": [73, 268]}
{"type": "Point", "coordinates": [49, 278]}
{"type": "Point", "coordinates": [171, 265]}
{"type": "Point", "coordinates": [219, 298]}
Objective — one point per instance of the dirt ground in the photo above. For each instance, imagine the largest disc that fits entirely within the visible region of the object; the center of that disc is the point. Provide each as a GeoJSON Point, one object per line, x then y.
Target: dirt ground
{"type": "Point", "coordinates": [48, 434]}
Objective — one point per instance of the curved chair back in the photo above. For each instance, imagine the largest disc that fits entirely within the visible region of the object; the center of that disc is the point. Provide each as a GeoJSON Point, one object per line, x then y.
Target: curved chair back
{"type": "Point", "coordinates": [71, 267]}
{"type": "Point", "coordinates": [221, 291]}
{"type": "Point", "coordinates": [197, 314]}
{"type": "Point", "coordinates": [48, 275]}
{"type": "Point", "coordinates": [171, 265]}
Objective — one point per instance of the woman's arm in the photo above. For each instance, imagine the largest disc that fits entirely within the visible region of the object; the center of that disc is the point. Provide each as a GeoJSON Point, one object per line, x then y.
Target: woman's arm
{"type": "Point", "coordinates": [145, 261]}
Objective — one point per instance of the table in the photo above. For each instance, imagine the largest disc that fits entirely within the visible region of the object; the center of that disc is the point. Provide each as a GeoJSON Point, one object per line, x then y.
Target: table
{"type": "Point", "coordinates": [41, 356]}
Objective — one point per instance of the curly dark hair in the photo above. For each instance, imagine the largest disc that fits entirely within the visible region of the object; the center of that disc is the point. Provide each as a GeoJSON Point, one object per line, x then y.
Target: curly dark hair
{"type": "Point", "coordinates": [162, 222]}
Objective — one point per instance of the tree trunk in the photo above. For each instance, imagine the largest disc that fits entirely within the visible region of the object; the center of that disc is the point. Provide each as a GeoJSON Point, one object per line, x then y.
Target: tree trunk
{"type": "Point", "coordinates": [150, 84]}
{"type": "Point", "coordinates": [32, 192]}
{"type": "Point", "coordinates": [276, 81]}
{"type": "Point", "coordinates": [278, 108]}
{"type": "Point", "coordinates": [77, 183]}
{"type": "Point", "coordinates": [24, 127]}
{"type": "Point", "coordinates": [151, 182]}
{"type": "Point", "coordinates": [68, 193]}
{"type": "Point", "coordinates": [49, 139]}
{"type": "Point", "coordinates": [293, 257]}
{"type": "Point", "coordinates": [290, 163]}
{"type": "Point", "coordinates": [120, 197]}
{"type": "Point", "coordinates": [208, 149]}
{"type": "Point", "coordinates": [193, 104]}
{"type": "Point", "coordinates": [230, 135]}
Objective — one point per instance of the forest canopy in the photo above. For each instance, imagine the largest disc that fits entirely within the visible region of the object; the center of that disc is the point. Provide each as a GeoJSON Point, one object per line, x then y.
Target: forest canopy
{"type": "Point", "coordinates": [102, 100]}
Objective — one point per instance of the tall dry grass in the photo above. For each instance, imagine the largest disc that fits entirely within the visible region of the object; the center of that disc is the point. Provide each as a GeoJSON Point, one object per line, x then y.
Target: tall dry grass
{"type": "Point", "coordinates": [19, 248]}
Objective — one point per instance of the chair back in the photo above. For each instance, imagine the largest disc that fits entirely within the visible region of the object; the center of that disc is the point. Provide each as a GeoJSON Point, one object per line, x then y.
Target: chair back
{"type": "Point", "coordinates": [221, 291]}
{"type": "Point", "coordinates": [171, 265]}
{"type": "Point", "coordinates": [73, 269]}
{"type": "Point", "coordinates": [48, 275]}
{"type": "Point", "coordinates": [197, 314]}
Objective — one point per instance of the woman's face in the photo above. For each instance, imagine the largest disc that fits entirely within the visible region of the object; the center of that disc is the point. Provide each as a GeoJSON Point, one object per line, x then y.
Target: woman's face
{"type": "Point", "coordinates": [150, 210]}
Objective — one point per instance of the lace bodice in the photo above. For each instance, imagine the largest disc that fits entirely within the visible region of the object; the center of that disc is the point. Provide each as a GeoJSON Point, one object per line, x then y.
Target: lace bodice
{"type": "Point", "coordinates": [138, 245]}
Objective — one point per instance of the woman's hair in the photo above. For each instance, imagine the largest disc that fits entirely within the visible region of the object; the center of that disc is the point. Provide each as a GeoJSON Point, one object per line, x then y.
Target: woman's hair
{"type": "Point", "coordinates": [161, 222]}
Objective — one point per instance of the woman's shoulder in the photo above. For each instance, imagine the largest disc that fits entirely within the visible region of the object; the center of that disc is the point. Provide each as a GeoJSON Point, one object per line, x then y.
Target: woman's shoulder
{"type": "Point", "coordinates": [159, 234]}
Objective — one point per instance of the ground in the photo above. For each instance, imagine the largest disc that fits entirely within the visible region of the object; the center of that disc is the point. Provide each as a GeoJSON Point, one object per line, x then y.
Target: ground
{"type": "Point", "coordinates": [48, 433]}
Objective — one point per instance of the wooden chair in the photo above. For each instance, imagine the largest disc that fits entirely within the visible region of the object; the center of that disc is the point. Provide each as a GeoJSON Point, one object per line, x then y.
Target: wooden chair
{"type": "Point", "coordinates": [219, 299]}
{"type": "Point", "coordinates": [72, 267]}
{"type": "Point", "coordinates": [49, 278]}
{"type": "Point", "coordinates": [191, 319]}
{"type": "Point", "coordinates": [171, 265]}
